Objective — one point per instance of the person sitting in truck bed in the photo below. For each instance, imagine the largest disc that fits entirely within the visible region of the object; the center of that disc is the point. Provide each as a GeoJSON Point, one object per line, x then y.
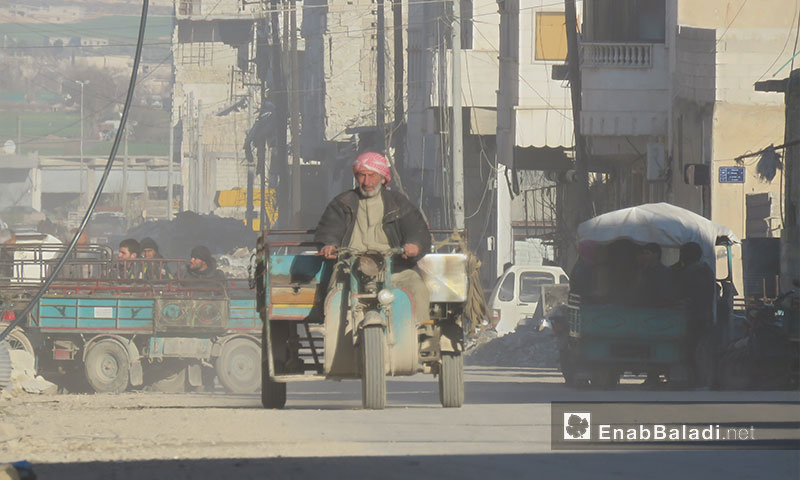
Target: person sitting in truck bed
{"type": "Point", "coordinates": [129, 249]}
{"type": "Point", "coordinates": [153, 269]}
{"type": "Point", "coordinates": [591, 275]}
{"type": "Point", "coordinates": [623, 271]}
{"type": "Point", "coordinates": [653, 287]}
{"type": "Point", "coordinates": [202, 266]}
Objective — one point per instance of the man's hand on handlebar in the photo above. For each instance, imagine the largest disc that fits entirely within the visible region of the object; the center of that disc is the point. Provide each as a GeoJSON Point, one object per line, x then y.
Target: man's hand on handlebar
{"type": "Point", "coordinates": [328, 251]}
{"type": "Point", "coordinates": [410, 250]}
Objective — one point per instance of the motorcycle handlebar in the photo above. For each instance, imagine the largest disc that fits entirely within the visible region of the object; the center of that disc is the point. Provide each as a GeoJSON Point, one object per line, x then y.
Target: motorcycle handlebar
{"type": "Point", "coordinates": [345, 251]}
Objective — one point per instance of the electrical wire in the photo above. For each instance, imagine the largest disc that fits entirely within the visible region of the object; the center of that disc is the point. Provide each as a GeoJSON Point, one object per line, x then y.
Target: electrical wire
{"type": "Point", "coordinates": [730, 24]}
{"type": "Point", "coordinates": [525, 81]}
{"type": "Point", "coordinates": [109, 164]}
{"type": "Point", "coordinates": [795, 18]}
{"type": "Point", "coordinates": [94, 112]}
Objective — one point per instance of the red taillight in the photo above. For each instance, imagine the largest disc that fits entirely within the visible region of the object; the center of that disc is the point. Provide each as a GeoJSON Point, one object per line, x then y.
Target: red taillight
{"type": "Point", "coordinates": [495, 317]}
{"type": "Point", "coordinates": [62, 354]}
{"type": "Point", "coordinates": [9, 316]}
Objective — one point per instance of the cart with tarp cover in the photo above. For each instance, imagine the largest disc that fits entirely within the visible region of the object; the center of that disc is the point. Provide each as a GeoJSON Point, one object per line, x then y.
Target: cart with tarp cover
{"type": "Point", "coordinates": [607, 340]}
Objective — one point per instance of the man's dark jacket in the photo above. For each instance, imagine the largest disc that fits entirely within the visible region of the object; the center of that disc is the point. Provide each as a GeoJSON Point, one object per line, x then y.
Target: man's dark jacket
{"type": "Point", "coordinates": [402, 222]}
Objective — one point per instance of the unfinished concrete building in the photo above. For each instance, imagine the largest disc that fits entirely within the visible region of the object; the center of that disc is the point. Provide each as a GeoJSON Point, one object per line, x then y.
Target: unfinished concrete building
{"type": "Point", "coordinates": [215, 98]}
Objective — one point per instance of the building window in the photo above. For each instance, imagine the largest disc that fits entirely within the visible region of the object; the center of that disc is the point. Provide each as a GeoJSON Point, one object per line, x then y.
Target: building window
{"type": "Point", "coordinates": [506, 293]}
{"type": "Point", "coordinates": [530, 285]}
{"type": "Point", "coordinates": [188, 7]}
{"type": "Point", "coordinates": [634, 21]}
{"type": "Point", "coordinates": [200, 53]}
{"type": "Point", "coordinates": [550, 36]}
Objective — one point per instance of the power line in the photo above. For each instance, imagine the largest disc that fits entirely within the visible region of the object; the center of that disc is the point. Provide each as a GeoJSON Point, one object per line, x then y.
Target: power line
{"type": "Point", "coordinates": [525, 81]}
{"type": "Point", "coordinates": [98, 110]}
{"type": "Point", "coordinates": [730, 23]}
{"type": "Point", "coordinates": [785, 44]}
{"type": "Point", "coordinates": [109, 164]}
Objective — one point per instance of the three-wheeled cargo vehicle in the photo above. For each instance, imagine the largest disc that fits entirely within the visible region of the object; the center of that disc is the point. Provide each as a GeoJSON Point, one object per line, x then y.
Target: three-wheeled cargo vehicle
{"type": "Point", "coordinates": [343, 319]}
{"type": "Point", "coordinates": [608, 339]}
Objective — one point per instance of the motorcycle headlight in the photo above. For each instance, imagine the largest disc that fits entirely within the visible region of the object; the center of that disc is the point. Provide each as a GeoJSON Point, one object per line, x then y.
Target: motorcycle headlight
{"type": "Point", "coordinates": [386, 297]}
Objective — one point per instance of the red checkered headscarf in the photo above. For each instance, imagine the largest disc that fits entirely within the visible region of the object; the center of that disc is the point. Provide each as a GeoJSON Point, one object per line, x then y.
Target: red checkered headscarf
{"type": "Point", "coordinates": [374, 162]}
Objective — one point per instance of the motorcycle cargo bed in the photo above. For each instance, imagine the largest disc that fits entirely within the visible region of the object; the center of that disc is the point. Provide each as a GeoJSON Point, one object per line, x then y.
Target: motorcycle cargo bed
{"type": "Point", "coordinates": [629, 323]}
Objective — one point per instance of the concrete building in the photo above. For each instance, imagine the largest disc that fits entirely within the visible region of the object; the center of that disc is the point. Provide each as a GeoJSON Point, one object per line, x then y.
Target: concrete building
{"type": "Point", "coordinates": [517, 121]}
{"type": "Point", "coordinates": [20, 184]}
{"type": "Point", "coordinates": [226, 54]}
{"type": "Point", "coordinates": [338, 94]}
{"type": "Point", "coordinates": [215, 97]}
{"type": "Point", "coordinates": [669, 84]}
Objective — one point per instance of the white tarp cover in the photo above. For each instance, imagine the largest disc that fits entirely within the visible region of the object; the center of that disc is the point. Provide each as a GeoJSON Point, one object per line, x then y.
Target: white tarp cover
{"type": "Point", "coordinates": [661, 223]}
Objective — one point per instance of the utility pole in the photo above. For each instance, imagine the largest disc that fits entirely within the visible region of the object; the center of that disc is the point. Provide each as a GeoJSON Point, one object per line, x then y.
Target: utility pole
{"type": "Point", "coordinates": [581, 170]}
{"type": "Point", "coordinates": [84, 192]}
{"type": "Point", "coordinates": [251, 166]}
{"type": "Point", "coordinates": [19, 134]}
{"type": "Point", "coordinates": [169, 167]}
{"type": "Point", "coordinates": [294, 101]}
{"type": "Point", "coordinates": [380, 94]}
{"type": "Point", "coordinates": [456, 135]}
{"type": "Point", "coordinates": [278, 154]}
{"type": "Point", "coordinates": [198, 177]}
{"type": "Point", "coordinates": [398, 140]}
{"type": "Point", "coordinates": [124, 175]}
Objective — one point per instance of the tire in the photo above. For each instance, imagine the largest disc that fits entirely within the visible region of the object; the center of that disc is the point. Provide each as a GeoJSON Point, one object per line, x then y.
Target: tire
{"type": "Point", "coordinates": [605, 379]}
{"type": "Point", "coordinates": [373, 376]}
{"type": "Point", "coordinates": [566, 363]}
{"type": "Point", "coordinates": [238, 366]}
{"type": "Point", "coordinates": [107, 367]}
{"type": "Point", "coordinates": [735, 372]}
{"type": "Point", "coordinates": [451, 380]}
{"type": "Point", "coordinates": [17, 340]}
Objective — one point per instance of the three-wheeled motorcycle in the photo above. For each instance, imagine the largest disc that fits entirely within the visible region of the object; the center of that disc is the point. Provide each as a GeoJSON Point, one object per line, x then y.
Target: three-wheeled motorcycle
{"type": "Point", "coordinates": [343, 319]}
{"type": "Point", "coordinates": [608, 339]}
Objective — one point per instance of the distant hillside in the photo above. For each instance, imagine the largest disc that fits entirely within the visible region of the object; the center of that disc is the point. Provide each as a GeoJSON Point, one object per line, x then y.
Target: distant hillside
{"type": "Point", "coordinates": [118, 29]}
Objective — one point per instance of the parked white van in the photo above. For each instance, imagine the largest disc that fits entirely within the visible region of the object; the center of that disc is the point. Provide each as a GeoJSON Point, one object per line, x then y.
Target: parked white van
{"type": "Point", "coordinates": [517, 293]}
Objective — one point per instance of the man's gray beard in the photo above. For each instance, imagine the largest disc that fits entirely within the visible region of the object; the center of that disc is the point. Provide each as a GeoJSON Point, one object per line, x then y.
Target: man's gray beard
{"type": "Point", "coordinates": [371, 194]}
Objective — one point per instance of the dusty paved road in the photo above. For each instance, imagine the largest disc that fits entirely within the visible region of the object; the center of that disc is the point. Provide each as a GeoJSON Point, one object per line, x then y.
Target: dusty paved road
{"type": "Point", "coordinates": [503, 432]}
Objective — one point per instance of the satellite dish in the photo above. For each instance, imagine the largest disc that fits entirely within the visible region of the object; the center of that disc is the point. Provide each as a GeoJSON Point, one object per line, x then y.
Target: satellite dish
{"type": "Point", "coordinates": [9, 147]}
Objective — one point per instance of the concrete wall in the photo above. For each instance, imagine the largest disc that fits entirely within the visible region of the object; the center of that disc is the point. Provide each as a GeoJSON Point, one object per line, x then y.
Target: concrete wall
{"type": "Point", "coordinates": [350, 61]}
{"type": "Point", "coordinates": [624, 101]}
{"type": "Point", "coordinates": [203, 88]}
{"type": "Point", "coordinates": [749, 43]}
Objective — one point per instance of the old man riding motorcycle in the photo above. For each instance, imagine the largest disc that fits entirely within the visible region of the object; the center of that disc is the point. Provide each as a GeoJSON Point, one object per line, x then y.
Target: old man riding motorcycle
{"type": "Point", "coordinates": [380, 302]}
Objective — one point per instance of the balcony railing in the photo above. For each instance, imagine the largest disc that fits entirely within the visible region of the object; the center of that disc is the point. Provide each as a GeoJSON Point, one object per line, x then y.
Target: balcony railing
{"type": "Point", "coordinates": [620, 55]}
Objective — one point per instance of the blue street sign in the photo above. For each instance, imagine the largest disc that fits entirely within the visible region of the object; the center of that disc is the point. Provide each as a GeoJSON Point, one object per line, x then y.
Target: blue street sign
{"type": "Point", "coordinates": [731, 174]}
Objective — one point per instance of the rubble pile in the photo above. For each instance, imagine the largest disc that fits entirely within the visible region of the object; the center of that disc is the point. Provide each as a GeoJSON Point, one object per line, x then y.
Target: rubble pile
{"type": "Point", "coordinates": [234, 264]}
{"type": "Point", "coordinates": [23, 378]}
{"type": "Point", "coordinates": [524, 347]}
{"type": "Point", "coordinates": [176, 238]}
